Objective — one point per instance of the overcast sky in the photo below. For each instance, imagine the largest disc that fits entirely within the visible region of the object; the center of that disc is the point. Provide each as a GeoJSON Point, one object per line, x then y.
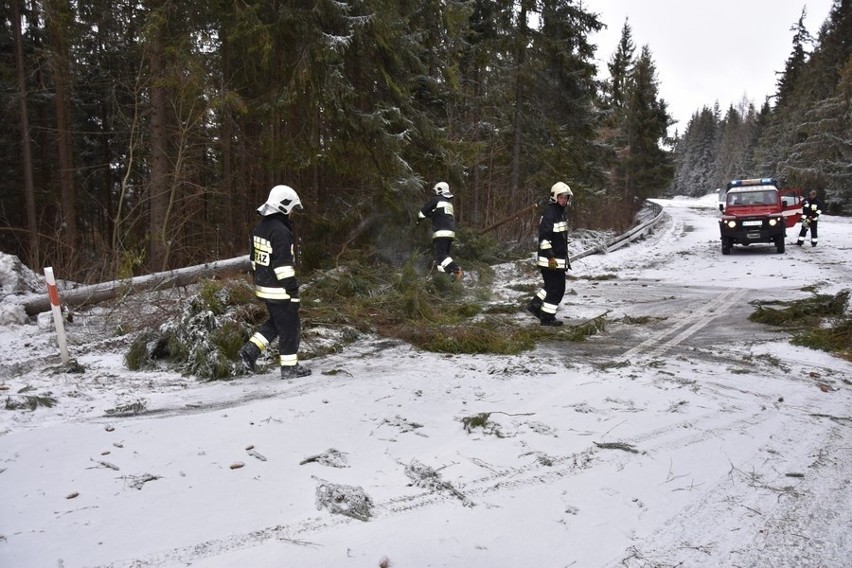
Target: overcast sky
{"type": "Point", "coordinates": [708, 51]}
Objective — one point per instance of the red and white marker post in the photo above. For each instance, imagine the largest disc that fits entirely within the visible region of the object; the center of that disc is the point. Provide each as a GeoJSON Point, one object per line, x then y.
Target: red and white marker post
{"type": "Point", "coordinates": [53, 294]}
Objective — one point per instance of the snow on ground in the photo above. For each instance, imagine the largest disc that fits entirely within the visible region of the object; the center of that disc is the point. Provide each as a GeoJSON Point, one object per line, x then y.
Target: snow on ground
{"type": "Point", "coordinates": [684, 435]}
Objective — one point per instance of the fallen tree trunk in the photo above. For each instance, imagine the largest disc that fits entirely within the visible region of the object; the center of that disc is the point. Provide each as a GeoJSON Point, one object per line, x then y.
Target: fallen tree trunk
{"type": "Point", "coordinates": [86, 295]}
{"type": "Point", "coordinates": [514, 216]}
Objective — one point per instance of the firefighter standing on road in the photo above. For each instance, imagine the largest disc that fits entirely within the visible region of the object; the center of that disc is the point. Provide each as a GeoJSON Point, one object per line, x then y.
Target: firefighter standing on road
{"type": "Point", "coordinates": [812, 209]}
{"type": "Point", "coordinates": [552, 256]}
{"type": "Point", "coordinates": [273, 260]}
{"type": "Point", "coordinates": [440, 210]}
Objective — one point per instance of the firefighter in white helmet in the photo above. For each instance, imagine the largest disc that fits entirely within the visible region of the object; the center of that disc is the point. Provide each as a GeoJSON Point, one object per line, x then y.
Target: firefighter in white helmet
{"type": "Point", "coordinates": [812, 208]}
{"type": "Point", "coordinates": [440, 210]}
{"type": "Point", "coordinates": [272, 254]}
{"type": "Point", "coordinates": [552, 256]}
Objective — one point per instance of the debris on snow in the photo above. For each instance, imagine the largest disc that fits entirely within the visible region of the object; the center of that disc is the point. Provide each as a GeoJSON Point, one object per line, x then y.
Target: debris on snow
{"type": "Point", "coordinates": [129, 409]}
{"type": "Point", "coordinates": [138, 481]}
{"type": "Point", "coordinates": [403, 425]}
{"type": "Point", "coordinates": [255, 454]}
{"type": "Point", "coordinates": [106, 464]}
{"type": "Point", "coordinates": [425, 477]}
{"type": "Point", "coordinates": [344, 500]}
{"type": "Point", "coordinates": [617, 446]}
{"type": "Point", "coordinates": [29, 402]}
{"type": "Point", "coordinates": [331, 457]}
{"type": "Point", "coordinates": [481, 421]}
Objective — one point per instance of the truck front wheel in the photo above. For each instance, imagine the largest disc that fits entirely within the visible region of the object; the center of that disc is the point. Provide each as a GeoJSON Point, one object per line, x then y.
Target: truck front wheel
{"type": "Point", "coordinates": [726, 246]}
{"type": "Point", "coordinates": [779, 244]}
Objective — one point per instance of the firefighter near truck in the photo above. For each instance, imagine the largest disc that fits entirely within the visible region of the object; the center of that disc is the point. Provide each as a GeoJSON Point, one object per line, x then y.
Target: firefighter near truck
{"type": "Point", "coordinates": [757, 211]}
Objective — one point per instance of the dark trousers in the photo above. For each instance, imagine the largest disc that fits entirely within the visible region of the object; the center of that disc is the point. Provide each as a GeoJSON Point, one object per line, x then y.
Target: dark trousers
{"type": "Point", "coordinates": [284, 324]}
{"type": "Point", "coordinates": [442, 247]}
{"type": "Point", "coordinates": [554, 288]}
{"type": "Point", "coordinates": [813, 227]}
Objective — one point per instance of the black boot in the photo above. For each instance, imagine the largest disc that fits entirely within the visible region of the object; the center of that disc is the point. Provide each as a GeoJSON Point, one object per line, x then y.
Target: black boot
{"type": "Point", "coordinates": [294, 371]}
{"type": "Point", "coordinates": [248, 355]}
{"type": "Point", "coordinates": [534, 307]}
{"type": "Point", "coordinates": [550, 320]}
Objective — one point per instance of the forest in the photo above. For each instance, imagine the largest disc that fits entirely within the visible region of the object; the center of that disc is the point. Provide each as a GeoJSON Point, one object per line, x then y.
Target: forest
{"type": "Point", "coordinates": [141, 136]}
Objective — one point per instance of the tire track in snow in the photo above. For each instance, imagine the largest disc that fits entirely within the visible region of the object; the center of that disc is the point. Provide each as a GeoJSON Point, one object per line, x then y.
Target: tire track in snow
{"type": "Point", "coordinates": [266, 386]}
{"type": "Point", "coordinates": [507, 479]}
{"type": "Point", "coordinates": [783, 526]}
{"type": "Point", "coordinates": [690, 323]}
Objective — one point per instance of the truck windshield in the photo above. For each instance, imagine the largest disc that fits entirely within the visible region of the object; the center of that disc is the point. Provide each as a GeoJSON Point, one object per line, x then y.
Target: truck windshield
{"type": "Point", "coordinates": [753, 197]}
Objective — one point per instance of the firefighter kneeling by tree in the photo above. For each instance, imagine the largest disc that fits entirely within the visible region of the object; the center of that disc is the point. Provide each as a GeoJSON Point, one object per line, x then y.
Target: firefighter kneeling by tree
{"type": "Point", "coordinates": [552, 256]}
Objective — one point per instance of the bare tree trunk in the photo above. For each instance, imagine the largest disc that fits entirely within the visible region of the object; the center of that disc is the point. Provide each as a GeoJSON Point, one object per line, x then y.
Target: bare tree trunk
{"type": "Point", "coordinates": [106, 158]}
{"type": "Point", "coordinates": [477, 181]}
{"type": "Point", "coordinates": [228, 178]}
{"type": "Point", "coordinates": [519, 99]}
{"type": "Point", "coordinates": [512, 217]}
{"type": "Point", "coordinates": [159, 184]}
{"type": "Point", "coordinates": [29, 185]}
{"type": "Point", "coordinates": [58, 16]}
{"type": "Point", "coordinates": [119, 220]}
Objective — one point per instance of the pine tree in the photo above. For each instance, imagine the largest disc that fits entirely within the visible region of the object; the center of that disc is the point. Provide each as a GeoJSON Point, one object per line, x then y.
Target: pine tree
{"type": "Point", "coordinates": [563, 121]}
{"type": "Point", "coordinates": [648, 165]}
{"type": "Point", "coordinates": [819, 154]}
{"type": "Point", "coordinates": [620, 69]}
{"type": "Point", "coordinates": [615, 100]}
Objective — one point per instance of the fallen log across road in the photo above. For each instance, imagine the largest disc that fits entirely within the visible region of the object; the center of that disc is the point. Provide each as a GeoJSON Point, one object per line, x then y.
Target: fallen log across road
{"type": "Point", "coordinates": [87, 295]}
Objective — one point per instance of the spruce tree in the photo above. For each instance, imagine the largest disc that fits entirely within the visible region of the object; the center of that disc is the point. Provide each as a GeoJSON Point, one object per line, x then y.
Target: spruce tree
{"type": "Point", "coordinates": [648, 165]}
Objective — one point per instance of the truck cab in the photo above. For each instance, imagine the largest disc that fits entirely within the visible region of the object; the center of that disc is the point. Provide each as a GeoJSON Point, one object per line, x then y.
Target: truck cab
{"type": "Point", "coordinates": [757, 211]}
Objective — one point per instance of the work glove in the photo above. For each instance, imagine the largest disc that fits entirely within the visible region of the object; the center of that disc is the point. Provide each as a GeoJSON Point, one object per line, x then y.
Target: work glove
{"type": "Point", "coordinates": [291, 285]}
{"type": "Point", "coordinates": [551, 263]}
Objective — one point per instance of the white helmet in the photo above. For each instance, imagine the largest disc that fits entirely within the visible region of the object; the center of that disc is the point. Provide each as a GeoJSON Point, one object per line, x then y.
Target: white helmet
{"type": "Point", "coordinates": [443, 189]}
{"type": "Point", "coordinates": [558, 189]}
{"type": "Point", "coordinates": [282, 199]}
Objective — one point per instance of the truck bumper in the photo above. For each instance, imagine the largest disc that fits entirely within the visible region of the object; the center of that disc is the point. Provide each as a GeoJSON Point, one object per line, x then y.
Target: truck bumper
{"type": "Point", "coordinates": [756, 235]}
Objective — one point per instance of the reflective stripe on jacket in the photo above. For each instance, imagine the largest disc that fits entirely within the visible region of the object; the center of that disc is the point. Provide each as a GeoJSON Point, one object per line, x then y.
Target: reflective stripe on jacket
{"type": "Point", "coordinates": [553, 237]}
{"type": "Point", "coordinates": [272, 259]}
{"type": "Point", "coordinates": [440, 210]}
{"type": "Point", "coordinates": [812, 208]}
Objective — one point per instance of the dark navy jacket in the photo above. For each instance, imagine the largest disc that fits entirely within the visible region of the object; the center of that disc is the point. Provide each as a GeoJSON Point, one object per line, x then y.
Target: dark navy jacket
{"type": "Point", "coordinates": [812, 208]}
{"type": "Point", "coordinates": [273, 259]}
{"type": "Point", "coordinates": [553, 237]}
{"type": "Point", "coordinates": [440, 210]}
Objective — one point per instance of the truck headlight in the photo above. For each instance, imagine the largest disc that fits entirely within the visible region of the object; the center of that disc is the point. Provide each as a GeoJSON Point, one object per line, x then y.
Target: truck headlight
{"type": "Point", "coordinates": [773, 222]}
{"type": "Point", "coordinates": [732, 224]}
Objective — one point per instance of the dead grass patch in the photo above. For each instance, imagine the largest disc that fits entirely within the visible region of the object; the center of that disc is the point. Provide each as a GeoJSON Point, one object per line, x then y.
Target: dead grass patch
{"type": "Point", "coordinates": [819, 322]}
